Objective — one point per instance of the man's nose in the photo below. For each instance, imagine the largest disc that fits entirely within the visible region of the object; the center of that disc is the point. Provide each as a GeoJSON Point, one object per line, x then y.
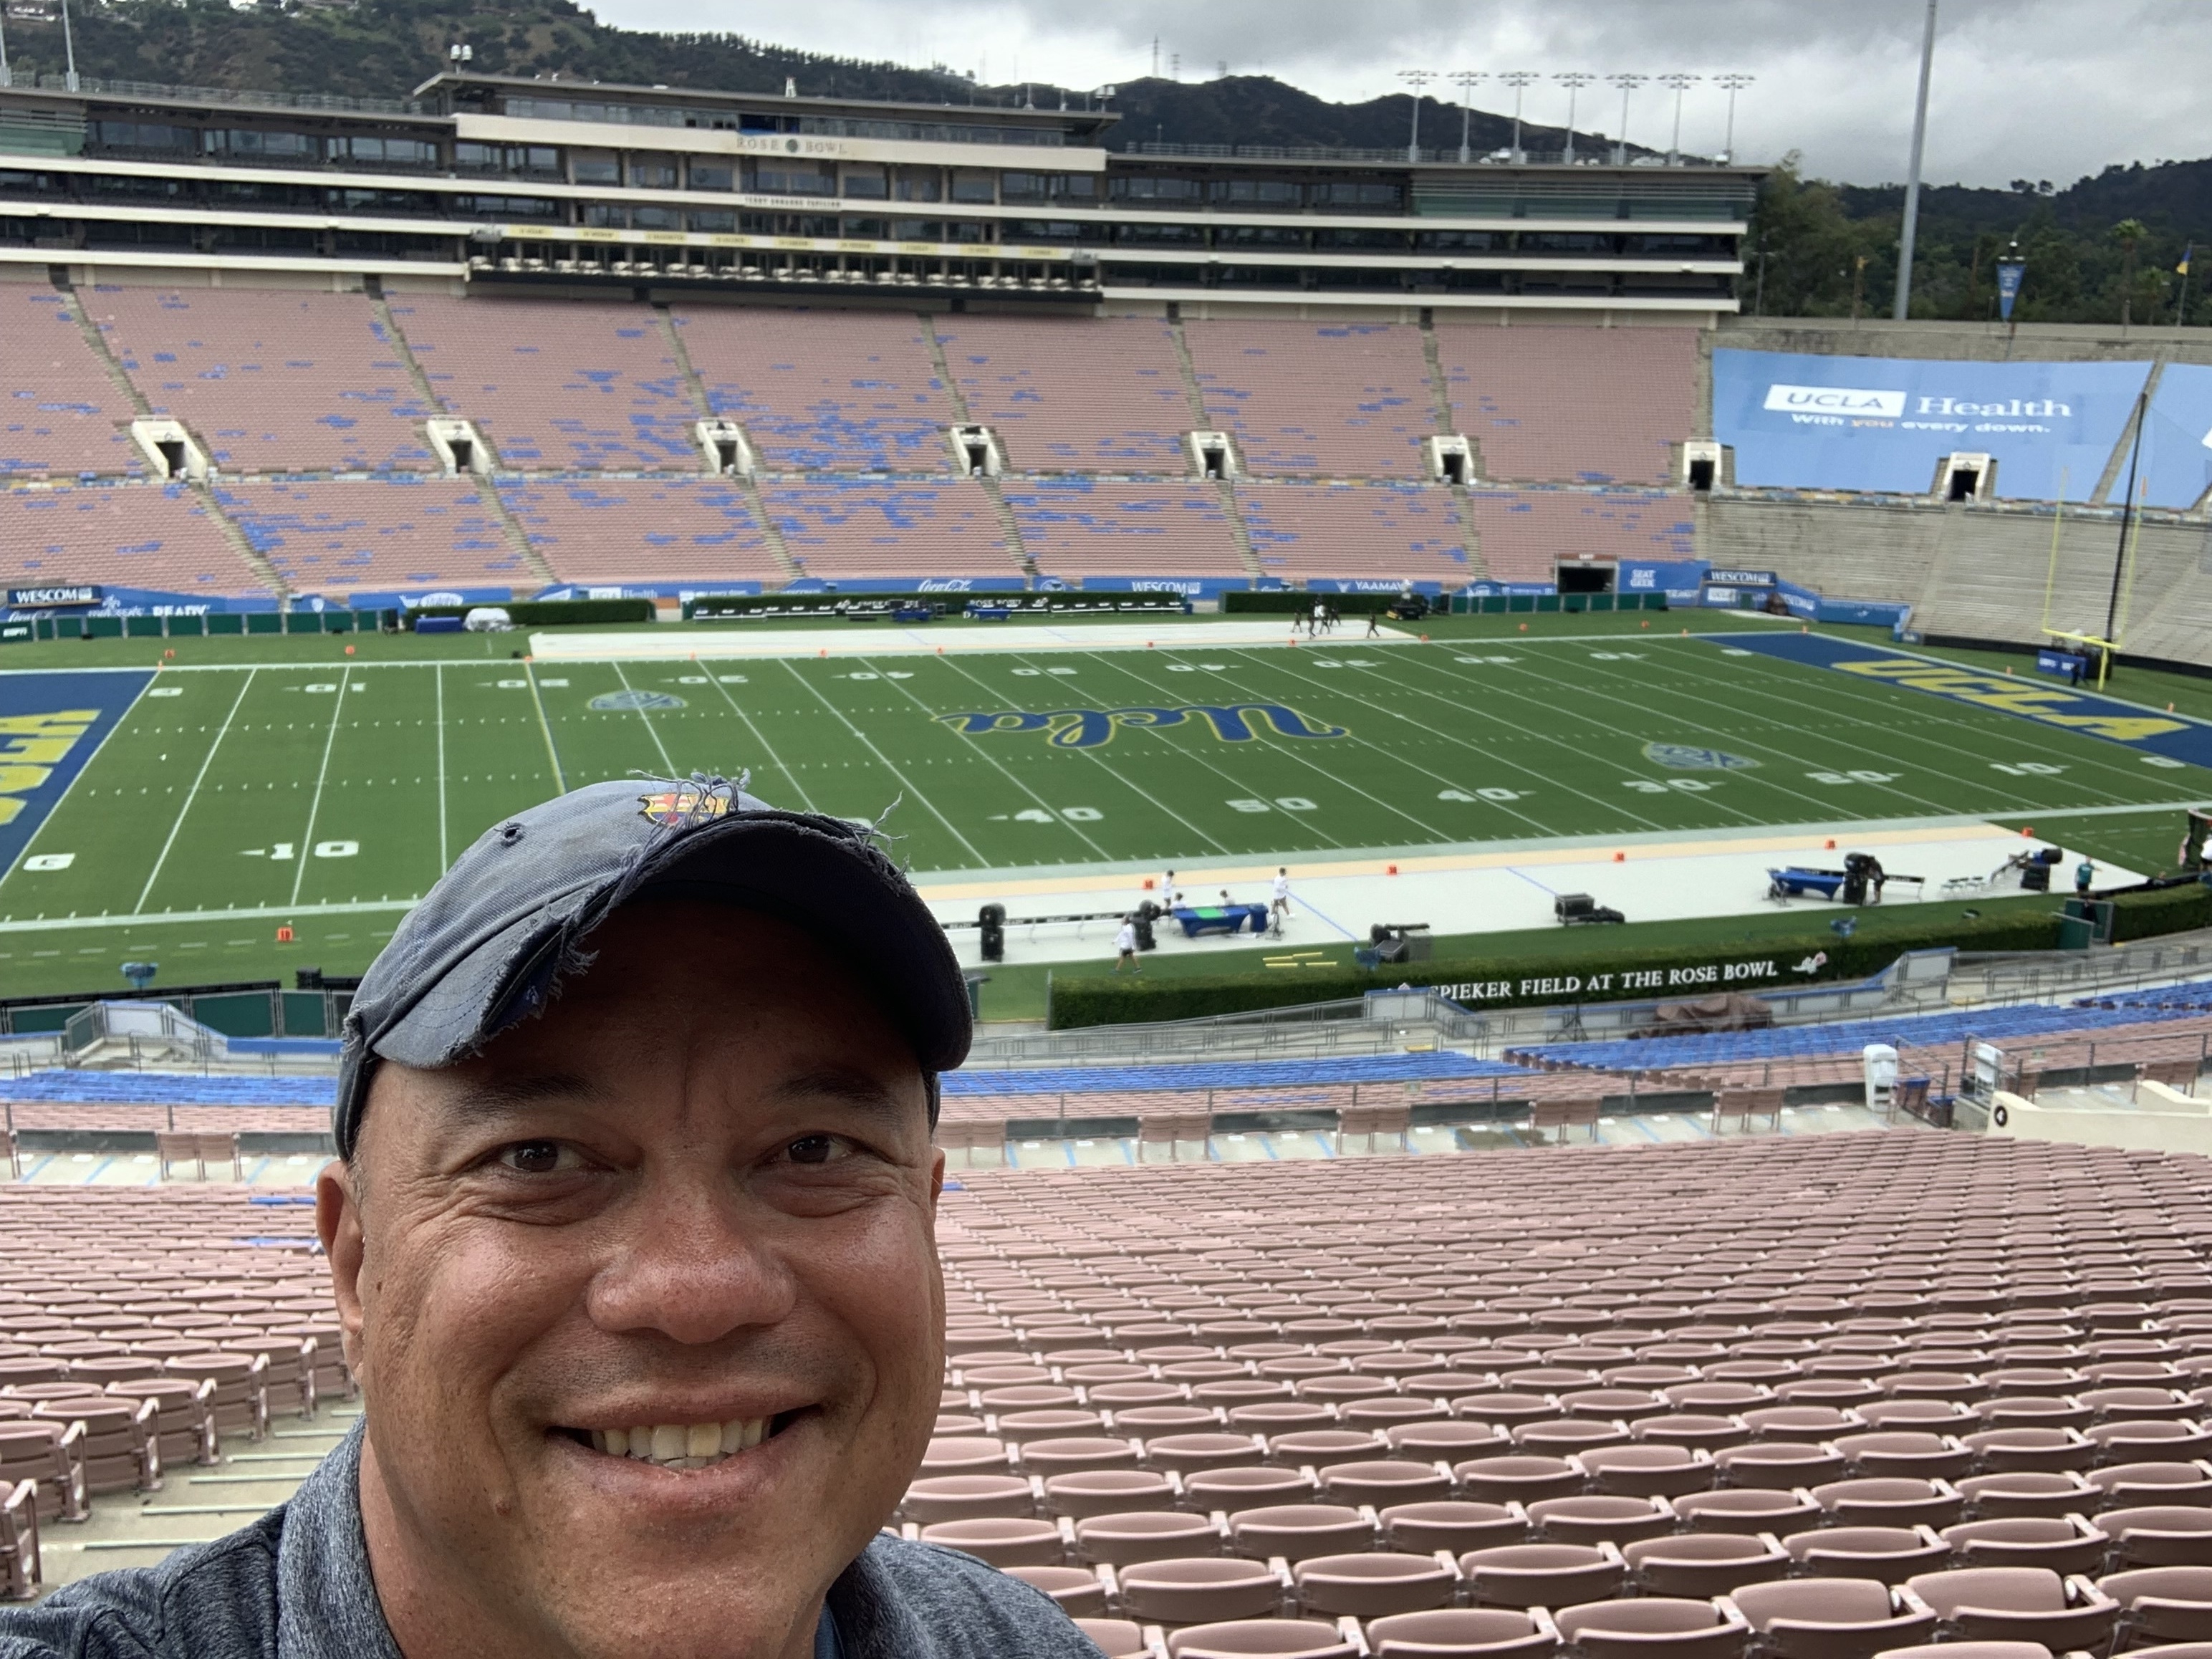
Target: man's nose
{"type": "Point", "coordinates": [689, 1267]}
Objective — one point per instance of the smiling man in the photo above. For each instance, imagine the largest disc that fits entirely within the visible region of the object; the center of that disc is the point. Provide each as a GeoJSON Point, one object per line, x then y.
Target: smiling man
{"type": "Point", "coordinates": [632, 1240]}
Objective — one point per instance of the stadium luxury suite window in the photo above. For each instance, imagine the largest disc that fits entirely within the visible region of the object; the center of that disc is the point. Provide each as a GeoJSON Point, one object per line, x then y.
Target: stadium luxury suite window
{"type": "Point", "coordinates": [872, 230]}
{"type": "Point", "coordinates": [920, 184]}
{"type": "Point", "coordinates": [652, 172]}
{"type": "Point", "coordinates": [656, 218]}
{"type": "Point", "coordinates": [975, 187]}
{"type": "Point", "coordinates": [360, 150]}
{"type": "Point", "coordinates": [140, 136]}
{"type": "Point", "coordinates": [1165, 235]}
{"type": "Point", "coordinates": [514, 161]}
{"type": "Point", "coordinates": [1565, 241]}
{"type": "Point", "coordinates": [384, 202]}
{"type": "Point", "coordinates": [1024, 188]}
{"type": "Point", "coordinates": [118, 187]}
{"type": "Point", "coordinates": [251, 144]}
{"type": "Point", "coordinates": [1255, 193]}
{"type": "Point", "coordinates": [786, 224]}
{"type": "Point", "coordinates": [1345, 196]}
{"type": "Point", "coordinates": [602, 216]}
{"type": "Point", "coordinates": [507, 207]}
{"type": "Point", "coordinates": [712, 175]}
{"type": "Point", "coordinates": [1260, 236]}
{"type": "Point", "coordinates": [14, 181]}
{"type": "Point", "coordinates": [1332, 237]}
{"type": "Point", "coordinates": [1459, 241]}
{"type": "Point", "coordinates": [713, 222]}
{"type": "Point", "coordinates": [776, 177]}
{"type": "Point", "coordinates": [1168, 192]}
{"type": "Point", "coordinates": [1053, 230]}
{"type": "Point", "coordinates": [594, 166]}
{"type": "Point", "coordinates": [917, 230]}
{"type": "Point", "coordinates": [867, 184]}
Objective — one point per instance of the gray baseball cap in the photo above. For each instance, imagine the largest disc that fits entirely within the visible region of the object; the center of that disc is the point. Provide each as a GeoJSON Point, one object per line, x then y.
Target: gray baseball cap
{"type": "Point", "coordinates": [489, 945]}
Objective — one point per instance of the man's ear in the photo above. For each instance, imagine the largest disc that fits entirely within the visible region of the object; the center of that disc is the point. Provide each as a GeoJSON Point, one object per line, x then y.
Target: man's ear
{"type": "Point", "coordinates": [337, 1220]}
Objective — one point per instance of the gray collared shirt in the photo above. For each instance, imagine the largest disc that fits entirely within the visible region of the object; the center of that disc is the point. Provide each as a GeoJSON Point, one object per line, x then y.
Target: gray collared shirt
{"type": "Point", "coordinates": [296, 1585]}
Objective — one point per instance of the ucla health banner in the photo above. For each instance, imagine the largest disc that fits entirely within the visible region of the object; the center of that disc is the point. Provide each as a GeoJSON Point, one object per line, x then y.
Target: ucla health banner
{"type": "Point", "coordinates": [1883, 423]}
{"type": "Point", "coordinates": [2175, 466]}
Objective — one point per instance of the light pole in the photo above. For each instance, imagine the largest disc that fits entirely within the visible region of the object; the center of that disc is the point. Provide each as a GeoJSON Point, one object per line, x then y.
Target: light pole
{"type": "Point", "coordinates": [1904, 302]}
{"type": "Point", "coordinates": [1732, 84]}
{"type": "Point", "coordinates": [1627, 83]}
{"type": "Point", "coordinates": [1464, 80]}
{"type": "Point", "coordinates": [69, 49]}
{"type": "Point", "coordinates": [1519, 80]}
{"type": "Point", "coordinates": [1416, 79]}
{"type": "Point", "coordinates": [6, 79]}
{"type": "Point", "coordinates": [1574, 80]}
{"type": "Point", "coordinates": [1680, 83]}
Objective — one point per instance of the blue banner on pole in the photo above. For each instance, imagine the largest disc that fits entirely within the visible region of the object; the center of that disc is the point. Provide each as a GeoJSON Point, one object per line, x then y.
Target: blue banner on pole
{"type": "Point", "coordinates": [2010, 271]}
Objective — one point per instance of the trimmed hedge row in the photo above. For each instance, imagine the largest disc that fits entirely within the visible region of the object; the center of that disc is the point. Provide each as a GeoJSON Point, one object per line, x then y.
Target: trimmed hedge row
{"type": "Point", "coordinates": [1597, 976]}
{"type": "Point", "coordinates": [553, 613]}
{"type": "Point", "coordinates": [2173, 910]}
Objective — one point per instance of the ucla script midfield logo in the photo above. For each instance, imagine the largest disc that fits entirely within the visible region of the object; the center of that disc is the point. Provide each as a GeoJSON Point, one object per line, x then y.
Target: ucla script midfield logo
{"type": "Point", "coordinates": [1089, 728]}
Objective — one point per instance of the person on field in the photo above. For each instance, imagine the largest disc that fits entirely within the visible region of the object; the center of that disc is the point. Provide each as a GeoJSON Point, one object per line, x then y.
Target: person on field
{"type": "Point", "coordinates": [1125, 947]}
{"type": "Point", "coordinates": [2085, 873]}
{"type": "Point", "coordinates": [1282, 907]}
{"type": "Point", "coordinates": [630, 1234]}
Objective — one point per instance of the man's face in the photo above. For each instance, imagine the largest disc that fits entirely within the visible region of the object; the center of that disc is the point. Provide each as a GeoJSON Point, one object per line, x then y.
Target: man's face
{"type": "Point", "coordinates": [645, 1303]}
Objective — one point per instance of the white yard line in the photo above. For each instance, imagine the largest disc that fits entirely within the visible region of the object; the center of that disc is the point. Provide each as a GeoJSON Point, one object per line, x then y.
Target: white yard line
{"type": "Point", "coordinates": [192, 793]}
{"type": "Point", "coordinates": [322, 773]}
{"type": "Point", "coordinates": [767, 748]}
{"type": "Point", "coordinates": [668, 765]}
{"type": "Point", "coordinates": [904, 783]}
{"type": "Point", "coordinates": [442, 860]}
{"type": "Point", "coordinates": [1036, 800]}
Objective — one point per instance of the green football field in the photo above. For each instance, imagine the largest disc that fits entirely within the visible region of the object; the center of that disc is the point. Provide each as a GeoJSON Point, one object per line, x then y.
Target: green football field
{"type": "Point", "coordinates": [235, 796]}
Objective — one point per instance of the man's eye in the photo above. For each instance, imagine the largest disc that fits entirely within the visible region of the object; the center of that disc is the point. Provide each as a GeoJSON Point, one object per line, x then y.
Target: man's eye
{"type": "Point", "coordinates": [538, 1157]}
{"type": "Point", "coordinates": [816, 1149]}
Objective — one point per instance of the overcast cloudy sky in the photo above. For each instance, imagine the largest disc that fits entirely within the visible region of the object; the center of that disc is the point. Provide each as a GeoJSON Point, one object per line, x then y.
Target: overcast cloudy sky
{"type": "Point", "coordinates": [2024, 88]}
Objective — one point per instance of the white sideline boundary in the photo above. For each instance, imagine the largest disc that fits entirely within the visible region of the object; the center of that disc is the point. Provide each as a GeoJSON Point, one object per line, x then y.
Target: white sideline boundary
{"type": "Point", "coordinates": [948, 639]}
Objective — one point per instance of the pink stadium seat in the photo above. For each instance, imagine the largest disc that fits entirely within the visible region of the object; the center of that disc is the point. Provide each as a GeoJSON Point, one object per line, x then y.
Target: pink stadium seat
{"type": "Point", "coordinates": [340, 535]}
{"type": "Point", "coordinates": [1572, 405]}
{"type": "Point", "coordinates": [271, 382]}
{"type": "Point", "coordinates": [635, 530]}
{"type": "Point", "coordinates": [557, 386]}
{"type": "Point", "coordinates": [1327, 400]}
{"type": "Point", "coordinates": [1103, 395]}
{"type": "Point", "coordinates": [60, 413]}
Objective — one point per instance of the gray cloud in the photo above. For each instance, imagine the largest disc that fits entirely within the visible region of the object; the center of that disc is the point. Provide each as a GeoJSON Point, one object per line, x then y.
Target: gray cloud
{"type": "Point", "coordinates": [2024, 88]}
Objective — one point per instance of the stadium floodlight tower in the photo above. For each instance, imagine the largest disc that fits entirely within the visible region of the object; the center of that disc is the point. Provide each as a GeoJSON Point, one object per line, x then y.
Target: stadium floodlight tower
{"type": "Point", "coordinates": [1903, 304]}
{"type": "Point", "coordinates": [1574, 80]}
{"type": "Point", "coordinates": [1464, 80]}
{"type": "Point", "coordinates": [1416, 78]}
{"type": "Point", "coordinates": [1731, 84]}
{"type": "Point", "coordinates": [1520, 80]}
{"type": "Point", "coordinates": [1680, 84]}
{"type": "Point", "coordinates": [1628, 84]}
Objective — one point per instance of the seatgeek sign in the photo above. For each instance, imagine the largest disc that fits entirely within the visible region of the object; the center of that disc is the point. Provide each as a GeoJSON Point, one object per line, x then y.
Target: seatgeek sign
{"type": "Point", "coordinates": [1882, 424]}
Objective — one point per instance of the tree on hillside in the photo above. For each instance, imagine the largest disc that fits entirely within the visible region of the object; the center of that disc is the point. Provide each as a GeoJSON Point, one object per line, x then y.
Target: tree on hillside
{"type": "Point", "coordinates": [2129, 235]}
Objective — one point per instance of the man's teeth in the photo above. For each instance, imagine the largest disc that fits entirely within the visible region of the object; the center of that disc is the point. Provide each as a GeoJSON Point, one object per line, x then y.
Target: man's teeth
{"type": "Point", "coordinates": [682, 1445]}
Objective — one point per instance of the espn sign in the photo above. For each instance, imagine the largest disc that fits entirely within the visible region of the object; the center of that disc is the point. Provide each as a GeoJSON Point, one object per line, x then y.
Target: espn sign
{"type": "Point", "coordinates": [1834, 400]}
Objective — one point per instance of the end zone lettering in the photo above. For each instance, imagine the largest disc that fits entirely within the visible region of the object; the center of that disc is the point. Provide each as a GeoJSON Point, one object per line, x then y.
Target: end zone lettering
{"type": "Point", "coordinates": [31, 746]}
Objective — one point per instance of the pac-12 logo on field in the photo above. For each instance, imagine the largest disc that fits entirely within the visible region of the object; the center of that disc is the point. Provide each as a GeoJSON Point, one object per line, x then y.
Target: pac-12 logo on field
{"type": "Point", "coordinates": [1681, 757]}
{"type": "Point", "coordinates": [1089, 728]}
{"type": "Point", "coordinates": [635, 701]}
